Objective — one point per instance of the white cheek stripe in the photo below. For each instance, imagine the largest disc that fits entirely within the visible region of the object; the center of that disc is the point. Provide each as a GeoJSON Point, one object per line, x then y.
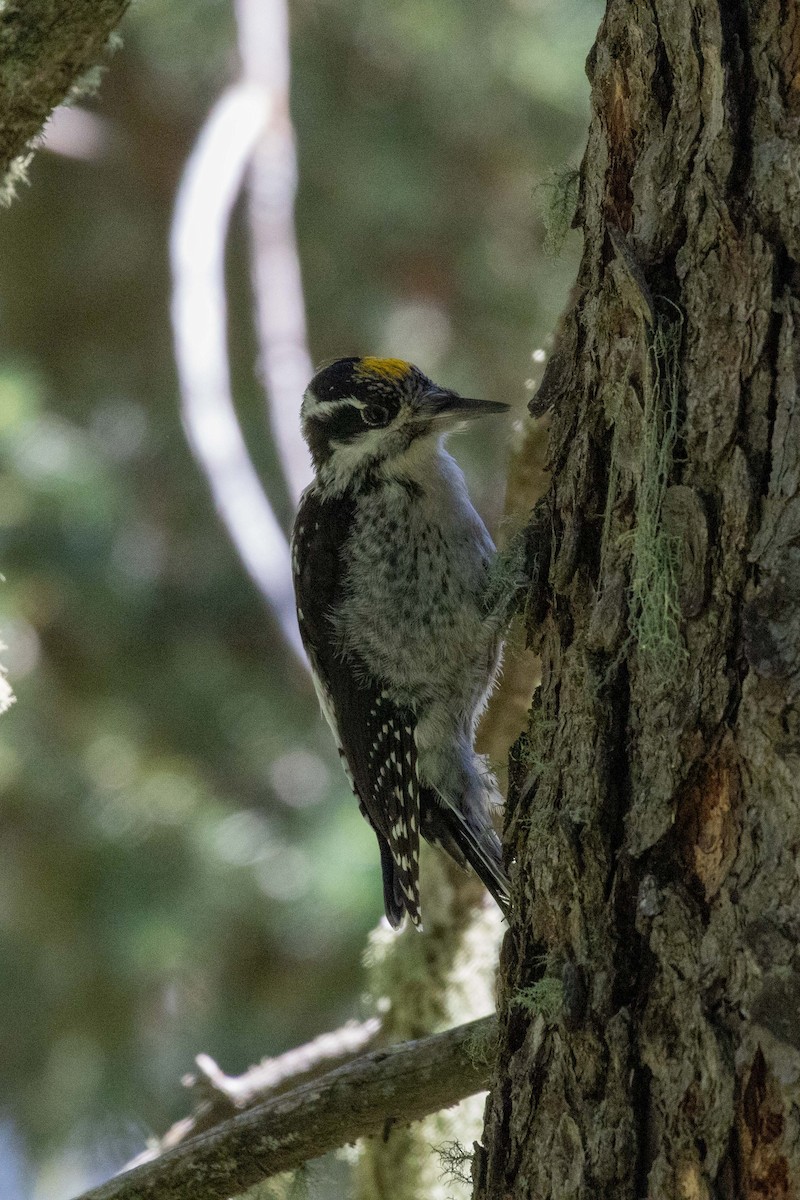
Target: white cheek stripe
{"type": "Point", "coordinates": [348, 458]}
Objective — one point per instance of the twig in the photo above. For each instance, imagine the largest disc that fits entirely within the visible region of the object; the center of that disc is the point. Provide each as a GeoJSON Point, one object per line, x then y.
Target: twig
{"type": "Point", "coordinates": [208, 190]}
{"type": "Point", "coordinates": [273, 1075]}
{"type": "Point", "coordinates": [220, 1096]}
{"type": "Point", "coordinates": [263, 29]}
{"type": "Point", "coordinates": [365, 1098]}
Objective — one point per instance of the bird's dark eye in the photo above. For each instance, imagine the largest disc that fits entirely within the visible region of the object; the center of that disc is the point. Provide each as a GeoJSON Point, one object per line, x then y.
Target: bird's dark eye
{"type": "Point", "coordinates": [374, 414]}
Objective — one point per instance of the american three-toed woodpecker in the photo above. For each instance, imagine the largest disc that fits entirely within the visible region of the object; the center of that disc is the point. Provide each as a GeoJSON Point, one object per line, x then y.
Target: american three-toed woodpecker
{"type": "Point", "coordinates": [390, 565]}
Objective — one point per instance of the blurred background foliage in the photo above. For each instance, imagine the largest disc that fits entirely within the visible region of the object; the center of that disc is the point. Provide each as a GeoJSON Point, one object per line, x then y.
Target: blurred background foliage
{"type": "Point", "coordinates": [183, 868]}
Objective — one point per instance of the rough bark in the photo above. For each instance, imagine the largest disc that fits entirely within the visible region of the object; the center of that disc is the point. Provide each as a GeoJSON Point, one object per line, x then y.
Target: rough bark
{"type": "Point", "coordinates": [654, 813]}
{"type": "Point", "coordinates": [45, 47]}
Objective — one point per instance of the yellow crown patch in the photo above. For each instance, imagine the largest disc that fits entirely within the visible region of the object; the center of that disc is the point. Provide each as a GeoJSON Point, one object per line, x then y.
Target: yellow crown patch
{"type": "Point", "coordinates": [391, 369]}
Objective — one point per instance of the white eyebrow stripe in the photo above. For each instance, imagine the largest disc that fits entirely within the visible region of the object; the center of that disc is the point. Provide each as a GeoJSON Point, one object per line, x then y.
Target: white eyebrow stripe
{"type": "Point", "coordinates": [329, 407]}
{"type": "Point", "coordinates": [324, 409]}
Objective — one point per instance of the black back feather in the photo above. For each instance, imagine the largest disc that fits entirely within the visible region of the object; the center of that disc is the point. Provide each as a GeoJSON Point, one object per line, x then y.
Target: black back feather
{"type": "Point", "coordinates": [375, 736]}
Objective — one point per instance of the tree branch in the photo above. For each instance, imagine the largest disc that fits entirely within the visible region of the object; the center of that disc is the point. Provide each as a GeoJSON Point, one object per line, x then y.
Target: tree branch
{"type": "Point", "coordinates": [367, 1097]}
{"type": "Point", "coordinates": [263, 35]}
{"type": "Point", "coordinates": [45, 46]}
{"type": "Point", "coordinates": [219, 1096]}
{"type": "Point", "coordinates": [208, 191]}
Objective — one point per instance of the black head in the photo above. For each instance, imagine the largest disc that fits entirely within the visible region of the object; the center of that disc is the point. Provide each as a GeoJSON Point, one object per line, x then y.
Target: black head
{"type": "Point", "coordinates": [360, 413]}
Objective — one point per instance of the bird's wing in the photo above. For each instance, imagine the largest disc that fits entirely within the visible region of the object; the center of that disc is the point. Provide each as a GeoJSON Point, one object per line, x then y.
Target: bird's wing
{"type": "Point", "coordinates": [375, 737]}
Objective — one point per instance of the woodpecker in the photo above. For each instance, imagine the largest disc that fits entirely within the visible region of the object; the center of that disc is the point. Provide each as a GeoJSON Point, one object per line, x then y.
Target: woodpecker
{"type": "Point", "coordinates": [390, 564]}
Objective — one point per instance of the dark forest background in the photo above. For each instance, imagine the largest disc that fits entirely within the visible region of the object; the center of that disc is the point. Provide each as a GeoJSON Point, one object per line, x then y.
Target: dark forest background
{"type": "Point", "coordinates": [183, 868]}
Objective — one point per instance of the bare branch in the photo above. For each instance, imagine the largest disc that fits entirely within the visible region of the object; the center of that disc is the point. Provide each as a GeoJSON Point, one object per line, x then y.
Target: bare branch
{"type": "Point", "coordinates": [263, 27]}
{"type": "Point", "coordinates": [45, 46]}
{"type": "Point", "coordinates": [250, 122]}
{"type": "Point", "coordinates": [365, 1098]}
{"type": "Point", "coordinates": [208, 190]}
{"type": "Point", "coordinates": [296, 1066]}
{"type": "Point", "coordinates": [220, 1096]}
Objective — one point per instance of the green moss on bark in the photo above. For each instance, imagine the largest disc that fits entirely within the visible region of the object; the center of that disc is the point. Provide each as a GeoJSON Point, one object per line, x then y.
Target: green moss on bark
{"type": "Point", "coordinates": [46, 48]}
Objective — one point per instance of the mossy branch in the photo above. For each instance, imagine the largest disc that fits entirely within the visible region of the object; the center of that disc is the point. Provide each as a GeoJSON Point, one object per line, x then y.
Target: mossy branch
{"type": "Point", "coordinates": [46, 46]}
{"type": "Point", "coordinates": [365, 1098]}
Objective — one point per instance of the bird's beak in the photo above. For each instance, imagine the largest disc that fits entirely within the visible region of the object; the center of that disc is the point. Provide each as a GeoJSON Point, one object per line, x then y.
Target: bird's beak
{"type": "Point", "coordinates": [448, 410]}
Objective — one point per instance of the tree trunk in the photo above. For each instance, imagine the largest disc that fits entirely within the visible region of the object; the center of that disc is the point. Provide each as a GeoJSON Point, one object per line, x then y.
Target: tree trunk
{"type": "Point", "coordinates": [654, 814]}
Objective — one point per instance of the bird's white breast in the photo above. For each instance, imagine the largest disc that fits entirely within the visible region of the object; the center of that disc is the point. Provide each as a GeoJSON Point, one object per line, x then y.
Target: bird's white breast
{"type": "Point", "coordinates": [415, 579]}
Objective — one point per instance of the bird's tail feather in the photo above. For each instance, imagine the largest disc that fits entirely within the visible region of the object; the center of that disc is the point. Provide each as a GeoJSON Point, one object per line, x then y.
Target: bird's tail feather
{"type": "Point", "coordinates": [393, 904]}
{"type": "Point", "coordinates": [479, 847]}
{"type": "Point", "coordinates": [482, 851]}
